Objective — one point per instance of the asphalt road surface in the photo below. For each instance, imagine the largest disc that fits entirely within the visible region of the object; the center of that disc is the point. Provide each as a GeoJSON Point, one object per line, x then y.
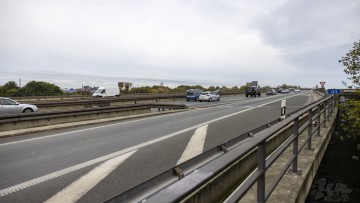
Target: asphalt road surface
{"type": "Point", "coordinates": [94, 163]}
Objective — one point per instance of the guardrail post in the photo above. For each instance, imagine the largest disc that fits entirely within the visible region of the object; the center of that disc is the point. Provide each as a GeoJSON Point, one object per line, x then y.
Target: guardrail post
{"type": "Point", "coordinates": [324, 124]}
{"type": "Point", "coordinates": [295, 144]}
{"type": "Point", "coordinates": [328, 110]}
{"type": "Point", "coordinates": [309, 129]}
{"type": "Point", "coordinates": [261, 167]}
{"type": "Point", "coordinates": [318, 120]}
{"type": "Point", "coordinates": [333, 103]}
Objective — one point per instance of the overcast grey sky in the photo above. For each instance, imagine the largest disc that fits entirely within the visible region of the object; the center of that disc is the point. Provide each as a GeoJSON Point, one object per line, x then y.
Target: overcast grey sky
{"type": "Point", "coordinates": [206, 42]}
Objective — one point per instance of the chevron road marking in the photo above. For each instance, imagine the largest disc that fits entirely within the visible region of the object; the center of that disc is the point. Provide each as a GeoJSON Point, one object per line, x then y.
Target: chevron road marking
{"type": "Point", "coordinates": [80, 187]}
{"type": "Point", "coordinates": [59, 173]}
{"type": "Point", "coordinates": [195, 145]}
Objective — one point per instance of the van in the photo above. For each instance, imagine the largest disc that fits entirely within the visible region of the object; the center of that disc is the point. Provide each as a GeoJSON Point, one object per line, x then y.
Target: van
{"type": "Point", "coordinates": [193, 94]}
{"type": "Point", "coordinates": [107, 92]}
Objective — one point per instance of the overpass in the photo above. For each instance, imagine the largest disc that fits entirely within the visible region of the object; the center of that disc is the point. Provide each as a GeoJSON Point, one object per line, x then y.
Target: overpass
{"type": "Point", "coordinates": [223, 159]}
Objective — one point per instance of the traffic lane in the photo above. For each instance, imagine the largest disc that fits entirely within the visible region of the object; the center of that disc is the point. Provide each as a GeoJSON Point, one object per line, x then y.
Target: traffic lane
{"type": "Point", "coordinates": [41, 156]}
{"type": "Point", "coordinates": [163, 156]}
{"type": "Point", "coordinates": [210, 111]}
{"type": "Point", "coordinates": [145, 164]}
{"type": "Point", "coordinates": [68, 142]}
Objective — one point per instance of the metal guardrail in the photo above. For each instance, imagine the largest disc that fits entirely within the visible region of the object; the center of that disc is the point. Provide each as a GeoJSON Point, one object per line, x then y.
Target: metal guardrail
{"type": "Point", "coordinates": [77, 98]}
{"type": "Point", "coordinates": [185, 181]}
{"type": "Point", "coordinates": [13, 121]}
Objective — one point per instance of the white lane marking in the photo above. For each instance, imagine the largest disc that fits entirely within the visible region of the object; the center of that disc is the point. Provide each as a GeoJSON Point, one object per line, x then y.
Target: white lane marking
{"type": "Point", "coordinates": [105, 126]}
{"type": "Point", "coordinates": [195, 145]}
{"type": "Point", "coordinates": [44, 178]}
{"type": "Point", "coordinates": [80, 187]}
{"type": "Point", "coordinates": [56, 174]}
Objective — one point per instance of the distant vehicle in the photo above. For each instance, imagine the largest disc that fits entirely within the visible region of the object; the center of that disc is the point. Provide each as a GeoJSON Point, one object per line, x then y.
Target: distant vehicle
{"type": "Point", "coordinates": [11, 106]}
{"type": "Point", "coordinates": [279, 90]}
{"type": "Point", "coordinates": [252, 91]}
{"type": "Point", "coordinates": [219, 92]}
{"type": "Point", "coordinates": [193, 94]}
{"type": "Point", "coordinates": [297, 90]}
{"type": "Point", "coordinates": [285, 91]}
{"type": "Point", "coordinates": [271, 92]}
{"type": "Point", "coordinates": [107, 92]}
{"type": "Point", "coordinates": [209, 96]}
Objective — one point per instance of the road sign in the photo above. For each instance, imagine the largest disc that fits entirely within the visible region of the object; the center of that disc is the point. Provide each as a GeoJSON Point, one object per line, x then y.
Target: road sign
{"type": "Point", "coordinates": [334, 91]}
{"type": "Point", "coordinates": [322, 84]}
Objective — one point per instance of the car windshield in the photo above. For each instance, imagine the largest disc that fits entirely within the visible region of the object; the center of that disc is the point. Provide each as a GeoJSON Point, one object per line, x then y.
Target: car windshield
{"type": "Point", "coordinates": [190, 93]}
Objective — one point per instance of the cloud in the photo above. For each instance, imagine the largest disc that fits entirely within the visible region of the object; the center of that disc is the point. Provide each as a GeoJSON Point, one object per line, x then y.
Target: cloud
{"type": "Point", "coordinates": [214, 42]}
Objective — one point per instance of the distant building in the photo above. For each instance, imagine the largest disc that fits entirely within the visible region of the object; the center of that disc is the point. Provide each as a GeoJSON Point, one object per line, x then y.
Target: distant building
{"type": "Point", "coordinates": [125, 85]}
{"type": "Point", "coordinates": [90, 89]}
{"type": "Point", "coordinates": [69, 90]}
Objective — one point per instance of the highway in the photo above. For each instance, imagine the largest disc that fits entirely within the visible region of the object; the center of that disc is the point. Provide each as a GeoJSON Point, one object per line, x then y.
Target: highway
{"type": "Point", "coordinates": [94, 163]}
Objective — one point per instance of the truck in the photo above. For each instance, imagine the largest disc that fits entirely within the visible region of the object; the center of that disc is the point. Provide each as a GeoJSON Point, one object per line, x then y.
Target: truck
{"type": "Point", "coordinates": [252, 89]}
{"type": "Point", "coordinates": [107, 92]}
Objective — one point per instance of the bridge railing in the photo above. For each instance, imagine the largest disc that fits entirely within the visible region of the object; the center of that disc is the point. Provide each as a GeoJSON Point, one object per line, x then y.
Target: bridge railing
{"type": "Point", "coordinates": [232, 172]}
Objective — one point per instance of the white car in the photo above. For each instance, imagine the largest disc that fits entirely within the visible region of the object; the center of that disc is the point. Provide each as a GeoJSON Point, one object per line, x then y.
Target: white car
{"type": "Point", "coordinates": [209, 96]}
{"type": "Point", "coordinates": [11, 106]}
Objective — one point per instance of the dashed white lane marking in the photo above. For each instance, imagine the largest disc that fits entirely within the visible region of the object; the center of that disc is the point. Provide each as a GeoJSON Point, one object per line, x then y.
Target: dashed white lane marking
{"type": "Point", "coordinates": [77, 189]}
{"type": "Point", "coordinates": [56, 174]}
{"type": "Point", "coordinates": [195, 145]}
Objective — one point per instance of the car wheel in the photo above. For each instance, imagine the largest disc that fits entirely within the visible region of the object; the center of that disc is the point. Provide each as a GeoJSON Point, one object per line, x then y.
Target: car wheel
{"type": "Point", "coordinates": [247, 95]}
{"type": "Point", "coordinates": [219, 99]}
{"type": "Point", "coordinates": [27, 110]}
{"type": "Point", "coordinates": [210, 100]}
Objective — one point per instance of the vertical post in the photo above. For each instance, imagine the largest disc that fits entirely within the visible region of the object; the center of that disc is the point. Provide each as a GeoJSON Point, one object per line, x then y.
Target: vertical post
{"type": "Point", "coordinates": [318, 120]}
{"type": "Point", "coordinates": [283, 109]}
{"type": "Point", "coordinates": [333, 102]}
{"type": "Point", "coordinates": [309, 129]}
{"type": "Point", "coordinates": [328, 110]}
{"type": "Point", "coordinates": [324, 124]}
{"type": "Point", "coordinates": [330, 107]}
{"type": "Point", "coordinates": [295, 143]}
{"type": "Point", "coordinates": [261, 167]}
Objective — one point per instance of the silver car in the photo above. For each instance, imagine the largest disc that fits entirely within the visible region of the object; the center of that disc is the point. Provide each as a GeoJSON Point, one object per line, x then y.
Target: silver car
{"type": "Point", "coordinates": [209, 96]}
{"type": "Point", "coordinates": [11, 106]}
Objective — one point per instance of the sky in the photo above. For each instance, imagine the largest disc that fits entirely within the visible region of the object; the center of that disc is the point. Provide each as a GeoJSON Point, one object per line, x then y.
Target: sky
{"type": "Point", "coordinates": [72, 43]}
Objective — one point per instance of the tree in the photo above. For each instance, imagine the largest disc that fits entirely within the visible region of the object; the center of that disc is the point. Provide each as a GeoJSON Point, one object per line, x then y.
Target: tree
{"type": "Point", "coordinates": [351, 61]}
{"type": "Point", "coordinates": [350, 115]}
{"type": "Point", "coordinates": [40, 88]}
{"type": "Point", "coordinates": [9, 89]}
